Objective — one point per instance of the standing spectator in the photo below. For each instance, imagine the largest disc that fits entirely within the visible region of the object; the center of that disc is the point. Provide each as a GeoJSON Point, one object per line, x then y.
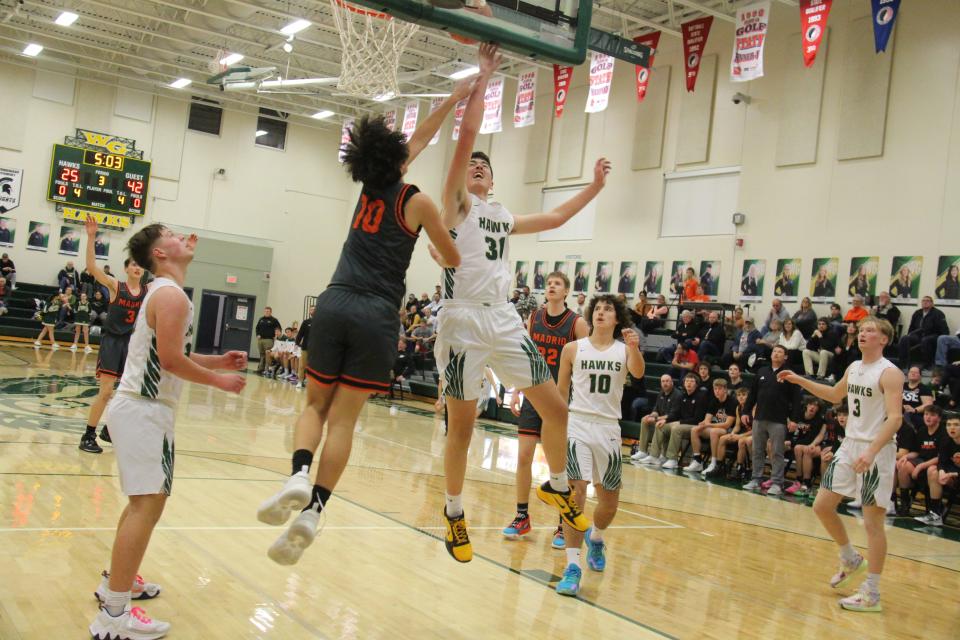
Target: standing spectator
{"type": "Point", "coordinates": [664, 405]}
{"type": "Point", "coordinates": [527, 304]}
{"type": "Point", "coordinates": [302, 342]}
{"type": "Point", "coordinates": [887, 310]}
{"type": "Point", "coordinates": [860, 285]}
{"type": "Point", "coordinates": [806, 318]}
{"type": "Point", "coordinates": [822, 287]}
{"type": "Point", "coordinates": [774, 402]}
{"type": "Point", "coordinates": [949, 289]}
{"type": "Point", "coordinates": [820, 350]}
{"type": "Point", "coordinates": [68, 277]}
{"type": "Point", "coordinates": [777, 312]}
{"type": "Point", "coordinates": [903, 286]}
{"type": "Point", "coordinates": [689, 412]}
{"type": "Point", "coordinates": [710, 339]}
{"type": "Point", "coordinates": [8, 270]}
{"type": "Point", "coordinates": [744, 345]}
{"type": "Point", "coordinates": [690, 284]}
{"type": "Point", "coordinates": [857, 312]}
{"type": "Point", "coordinates": [926, 325]}
{"type": "Point", "coordinates": [749, 286]}
{"type": "Point", "coordinates": [916, 397]}
{"type": "Point", "coordinates": [267, 328]}
{"type": "Point", "coordinates": [792, 340]}
{"type": "Point", "coordinates": [847, 351]}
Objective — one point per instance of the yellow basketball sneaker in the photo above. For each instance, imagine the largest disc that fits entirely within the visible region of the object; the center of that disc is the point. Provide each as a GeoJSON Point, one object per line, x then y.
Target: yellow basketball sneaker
{"type": "Point", "coordinates": [569, 510]}
{"type": "Point", "coordinates": [457, 541]}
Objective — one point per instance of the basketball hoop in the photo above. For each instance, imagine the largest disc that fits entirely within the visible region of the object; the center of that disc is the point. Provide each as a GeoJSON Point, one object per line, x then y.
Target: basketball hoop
{"type": "Point", "coordinates": [372, 45]}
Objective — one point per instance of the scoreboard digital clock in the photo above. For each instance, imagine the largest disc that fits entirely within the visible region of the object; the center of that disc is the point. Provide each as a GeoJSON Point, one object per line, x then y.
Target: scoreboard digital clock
{"type": "Point", "coordinates": [98, 180]}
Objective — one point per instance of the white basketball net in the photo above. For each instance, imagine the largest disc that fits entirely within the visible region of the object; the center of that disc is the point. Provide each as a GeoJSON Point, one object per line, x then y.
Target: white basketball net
{"type": "Point", "coordinates": [372, 45]}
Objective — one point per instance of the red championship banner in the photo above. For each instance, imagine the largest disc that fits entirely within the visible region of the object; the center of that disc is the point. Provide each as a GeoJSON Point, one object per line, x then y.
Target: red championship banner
{"type": "Point", "coordinates": [561, 86]}
{"type": "Point", "coordinates": [390, 119]}
{"type": "Point", "coordinates": [813, 24]}
{"type": "Point", "coordinates": [523, 108]}
{"type": "Point", "coordinates": [492, 106]}
{"type": "Point", "coordinates": [651, 40]}
{"type": "Point", "coordinates": [458, 110]}
{"type": "Point", "coordinates": [410, 113]}
{"type": "Point", "coordinates": [695, 35]}
{"type": "Point", "coordinates": [601, 77]}
{"type": "Point", "coordinates": [434, 105]}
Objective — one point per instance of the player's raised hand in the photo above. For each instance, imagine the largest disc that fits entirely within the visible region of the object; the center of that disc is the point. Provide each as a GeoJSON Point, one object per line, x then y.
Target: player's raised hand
{"type": "Point", "coordinates": [230, 382]}
{"type": "Point", "coordinates": [631, 338]}
{"type": "Point", "coordinates": [90, 224]}
{"type": "Point", "coordinates": [600, 171]}
{"type": "Point", "coordinates": [788, 376]}
{"type": "Point", "coordinates": [235, 360]}
{"type": "Point", "coordinates": [462, 89]}
{"type": "Point", "coordinates": [490, 58]}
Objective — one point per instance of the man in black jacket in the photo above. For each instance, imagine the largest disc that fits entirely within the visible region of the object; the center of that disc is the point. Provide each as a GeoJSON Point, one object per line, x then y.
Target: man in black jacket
{"type": "Point", "coordinates": [773, 403]}
{"type": "Point", "coordinates": [688, 413]}
{"type": "Point", "coordinates": [887, 310]}
{"type": "Point", "coordinates": [665, 404]}
{"type": "Point", "coordinates": [266, 330]}
{"type": "Point", "coordinates": [927, 324]}
{"type": "Point", "coordinates": [687, 329]}
{"type": "Point", "coordinates": [711, 338]}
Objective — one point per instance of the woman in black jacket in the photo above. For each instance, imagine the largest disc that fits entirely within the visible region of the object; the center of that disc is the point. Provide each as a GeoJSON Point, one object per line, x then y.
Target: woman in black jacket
{"type": "Point", "coordinates": [847, 352]}
{"type": "Point", "coordinates": [820, 349]}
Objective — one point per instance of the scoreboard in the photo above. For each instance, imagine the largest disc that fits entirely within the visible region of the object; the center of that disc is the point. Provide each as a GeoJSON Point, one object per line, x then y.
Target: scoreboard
{"type": "Point", "coordinates": [98, 180]}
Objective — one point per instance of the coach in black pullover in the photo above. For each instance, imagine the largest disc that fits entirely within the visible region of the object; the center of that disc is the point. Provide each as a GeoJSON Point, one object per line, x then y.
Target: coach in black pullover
{"type": "Point", "coordinates": [773, 403]}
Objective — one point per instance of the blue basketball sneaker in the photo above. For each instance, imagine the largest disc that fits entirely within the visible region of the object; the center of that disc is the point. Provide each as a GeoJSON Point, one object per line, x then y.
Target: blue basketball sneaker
{"type": "Point", "coordinates": [569, 585]}
{"type": "Point", "coordinates": [596, 558]}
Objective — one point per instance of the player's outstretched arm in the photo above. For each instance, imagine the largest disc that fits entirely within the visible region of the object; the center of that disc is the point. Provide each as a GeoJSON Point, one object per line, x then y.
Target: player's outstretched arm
{"type": "Point", "coordinates": [167, 312]}
{"type": "Point", "coordinates": [834, 394]}
{"type": "Point", "coordinates": [566, 369]}
{"type": "Point", "coordinates": [99, 274]}
{"type": "Point", "coordinates": [536, 222]}
{"type": "Point", "coordinates": [420, 211]}
{"type": "Point", "coordinates": [423, 134]}
{"type": "Point", "coordinates": [456, 200]}
{"type": "Point", "coordinates": [635, 362]}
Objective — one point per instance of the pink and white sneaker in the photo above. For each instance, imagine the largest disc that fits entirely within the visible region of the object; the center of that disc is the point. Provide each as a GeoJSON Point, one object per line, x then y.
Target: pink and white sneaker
{"type": "Point", "coordinates": [862, 600]}
{"type": "Point", "coordinates": [793, 488]}
{"type": "Point", "coordinates": [848, 572]}
{"type": "Point", "coordinates": [140, 590]}
{"type": "Point", "coordinates": [132, 624]}
{"type": "Point", "coordinates": [766, 484]}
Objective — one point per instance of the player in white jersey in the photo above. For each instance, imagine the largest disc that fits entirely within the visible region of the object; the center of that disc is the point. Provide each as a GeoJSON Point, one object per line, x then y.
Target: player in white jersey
{"type": "Point", "coordinates": [864, 466]}
{"type": "Point", "coordinates": [141, 422]}
{"type": "Point", "coordinates": [596, 369]}
{"type": "Point", "coordinates": [478, 327]}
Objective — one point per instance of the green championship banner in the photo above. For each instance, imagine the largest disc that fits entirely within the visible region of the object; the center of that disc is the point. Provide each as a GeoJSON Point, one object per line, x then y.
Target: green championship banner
{"type": "Point", "coordinates": [905, 278]}
{"type": "Point", "coordinates": [863, 277]}
{"type": "Point", "coordinates": [823, 279]}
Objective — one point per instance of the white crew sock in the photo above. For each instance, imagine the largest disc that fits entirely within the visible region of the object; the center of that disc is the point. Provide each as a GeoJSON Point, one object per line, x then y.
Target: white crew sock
{"type": "Point", "coordinates": [596, 534]}
{"type": "Point", "coordinates": [454, 506]}
{"type": "Point", "coordinates": [559, 483]}
{"type": "Point", "coordinates": [872, 583]}
{"type": "Point", "coordinates": [116, 602]}
{"type": "Point", "coordinates": [848, 554]}
{"type": "Point", "coordinates": [573, 556]}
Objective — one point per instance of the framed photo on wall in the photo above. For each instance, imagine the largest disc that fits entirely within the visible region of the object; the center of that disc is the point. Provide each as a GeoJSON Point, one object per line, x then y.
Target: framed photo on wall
{"type": "Point", "coordinates": [863, 277]}
{"type": "Point", "coordinates": [946, 291]}
{"type": "Point", "coordinates": [8, 231]}
{"type": "Point", "coordinates": [905, 274]}
{"type": "Point", "coordinates": [710, 278]}
{"type": "Point", "coordinates": [69, 240]}
{"type": "Point", "coordinates": [751, 280]}
{"type": "Point", "coordinates": [678, 274]}
{"type": "Point", "coordinates": [627, 283]}
{"type": "Point", "coordinates": [540, 275]}
{"type": "Point", "coordinates": [520, 274]}
{"type": "Point", "coordinates": [823, 279]}
{"type": "Point", "coordinates": [604, 275]}
{"type": "Point", "coordinates": [787, 285]}
{"type": "Point", "coordinates": [581, 278]}
{"type": "Point", "coordinates": [39, 238]}
{"type": "Point", "coordinates": [653, 277]}
{"type": "Point", "coordinates": [101, 245]}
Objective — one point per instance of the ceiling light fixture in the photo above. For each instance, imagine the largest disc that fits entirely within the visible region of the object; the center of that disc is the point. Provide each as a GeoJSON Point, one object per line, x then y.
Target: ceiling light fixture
{"type": "Point", "coordinates": [464, 73]}
{"type": "Point", "coordinates": [260, 132]}
{"type": "Point", "coordinates": [288, 47]}
{"type": "Point", "coordinates": [322, 115]}
{"type": "Point", "coordinates": [32, 50]}
{"type": "Point", "coordinates": [295, 27]}
{"type": "Point", "coordinates": [66, 19]}
{"type": "Point", "coordinates": [181, 83]}
{"type": "Point", "coordinates": [233, 58]}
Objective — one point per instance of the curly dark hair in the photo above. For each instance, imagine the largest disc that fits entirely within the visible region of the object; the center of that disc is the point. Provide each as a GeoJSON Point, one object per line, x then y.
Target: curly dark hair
{"type": "Point", "coordinates": [140, 246]}
{"type": "Point", "coordinates": [623, 316]}
{"type": "Point", "coordinates": [375, 155]}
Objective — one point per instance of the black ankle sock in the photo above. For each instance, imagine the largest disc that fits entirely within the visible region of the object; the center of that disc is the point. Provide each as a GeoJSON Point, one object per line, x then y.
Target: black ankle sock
{"type": "Point", "coordinates": [91, 431]}
{"type": "Point", "coordinates": [319, 499]}
{"type": "Point", "coordinates": [301, 458]}
{"type": "Point", "coordinates": [523, 507]}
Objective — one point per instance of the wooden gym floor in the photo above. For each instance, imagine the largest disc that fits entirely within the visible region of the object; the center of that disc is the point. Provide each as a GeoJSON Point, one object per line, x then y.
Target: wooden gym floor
{"type": "Point", "coordinates": [685, 559]}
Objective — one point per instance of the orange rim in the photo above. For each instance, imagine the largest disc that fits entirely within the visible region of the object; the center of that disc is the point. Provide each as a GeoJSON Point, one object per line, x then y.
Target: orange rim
{"type": "Point", "coordinates": [363, 12]}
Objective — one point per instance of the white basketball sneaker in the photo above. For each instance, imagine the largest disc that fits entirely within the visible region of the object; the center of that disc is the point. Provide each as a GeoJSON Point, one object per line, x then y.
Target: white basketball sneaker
{"type": "Point", "coordinates": [299, 535]}
{"type": "Point", "coordinates": [140, 590]}
{"type": "Point", "coordinates": [295, 495]}
{"type": "Point", "coordinates": [132, 624]}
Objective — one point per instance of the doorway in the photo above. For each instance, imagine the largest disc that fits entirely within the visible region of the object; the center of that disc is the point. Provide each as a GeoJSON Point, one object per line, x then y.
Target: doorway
{"type": "Point", "coordinates": [225, 322]}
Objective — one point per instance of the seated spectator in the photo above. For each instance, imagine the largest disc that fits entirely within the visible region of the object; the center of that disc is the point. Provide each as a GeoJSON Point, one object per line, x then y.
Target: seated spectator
{"type": "Point", "coordinates": [836, 319]}
{"type": "Point", "coordinates": [411, 299]}
{"type": "Point", "coordinates": [686, 331]}
{"type": "Point", "coordinates": [733, 323]}
{"type": "Point", "coordinates": [857, 312]}
{"type": "Point", "coordinates": [744, 345]}
{"type": "Point", "coordinates": [806, 318]}
{"type": "Point", "coordinates": [698, 294]}
{"type": "Point", "coordinates": [847, 351]}
{"type": "Point", "coordinates": [429, 318]}
{"type": "Point", "coordinates": [710, 340]}
{"type": "Point", "coordinates": [741, 429]}
{"type": "Point", "coordinates": [68, 277]}
{"type": "Point", "coordinates": [424, 335]}
{"type": "Point", "coordinates": [435, 303]}
{"type": "Point", "coordinates": [639, 311]}
{"type": "Point", "coordinates": [887, 310]}
{"type": "Point", "coordinates": [5, 290]}
{"type": "Point", "coordinates": [704, 379]}
{"type": "Point", "coordinates": [820, 350]}
{"type": "Point", "coordinates": [950, 287]}
{"type": "Point", "coordinates": [806, 433]}
{"type": "Point", "coordinates": [792, 340]}
{"type": "Point", "coordinates": [944, 345]}
{"type": "Point", "coordinates": [944, 473]}
{"type": "Point", "coordinates": [912, 468]}
{"type": "Point", "coordinates": [835, 428]}
{"type": "Point", "coordinates": [684, 361]}
{"type": "Point", "coordinates": [663, 406]}
{"type": "Point", "coordinates": [412, 320]}
{"type": "Point", "coordinates": [769, 340]}
{"type": "Point", "coordinates": [926, 325]}
{"type": "Point", "coordinates": [656, 315]}
{"type": "Point", "coordinates": [718, 421]}
{"type": "Point", "coordinates": [689, 412]}
{"type": "Point", "coordinates": [48, 318]}
{"type": "Point", "coordinates": [777, 312]}
{"type": "Point", "coordinates": [527, 304]}
{"type": "Point", "coordinates": [98, 308]}
{"type": "Point", "coordinates": [403, 365]}
{"type": "Point", "coordinates": [8, 270]}
{"type": "Point", "coordinates": [87, 283]}
{"type": "Point", "coordinates": [734, 377]}
{"type": "Point", "coordinates": [581, 304]}
{"type": "Point", "coordinates": [916, 397]}
{"type": "Point", "coordinates": [423, 302]}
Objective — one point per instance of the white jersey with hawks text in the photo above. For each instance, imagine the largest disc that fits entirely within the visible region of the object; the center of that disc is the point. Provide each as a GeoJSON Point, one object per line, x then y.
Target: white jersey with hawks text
{"type": "Point", "coordinates": [598, 379]}
{"type": "Point", "coordinates": [483, 239]}
{"type": "Point", "coordinates": [865, 399]}
{"type": "Point", "coordinates": [142, 375]}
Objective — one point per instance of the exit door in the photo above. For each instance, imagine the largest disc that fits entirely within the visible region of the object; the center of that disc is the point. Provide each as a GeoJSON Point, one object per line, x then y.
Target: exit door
{"type": "Point", "coordinates": [225, 323]}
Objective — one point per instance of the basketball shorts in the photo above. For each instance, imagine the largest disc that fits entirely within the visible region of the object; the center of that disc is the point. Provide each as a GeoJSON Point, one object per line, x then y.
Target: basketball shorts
{"type": "Point", "coordinates": [473, 336]}
{"type": "Point", "coordinates": [593, 451]}
{"type": "Point", "coordinates": [529, 423]}
{"type": "Point", "coordinates": [142, 435]}
{"type": "Point", "coordinates": [113, 354]}
{"type": "Point", "coordinates": [875, 486]}
{"type": "Point", "coordinates": [353, 340]}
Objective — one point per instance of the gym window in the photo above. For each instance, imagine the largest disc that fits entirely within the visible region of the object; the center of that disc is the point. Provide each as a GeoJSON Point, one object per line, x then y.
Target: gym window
{"type": "Point", "coordinates": [205, 116]}
{"type": "Point", "coordinates": [271, 128]}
